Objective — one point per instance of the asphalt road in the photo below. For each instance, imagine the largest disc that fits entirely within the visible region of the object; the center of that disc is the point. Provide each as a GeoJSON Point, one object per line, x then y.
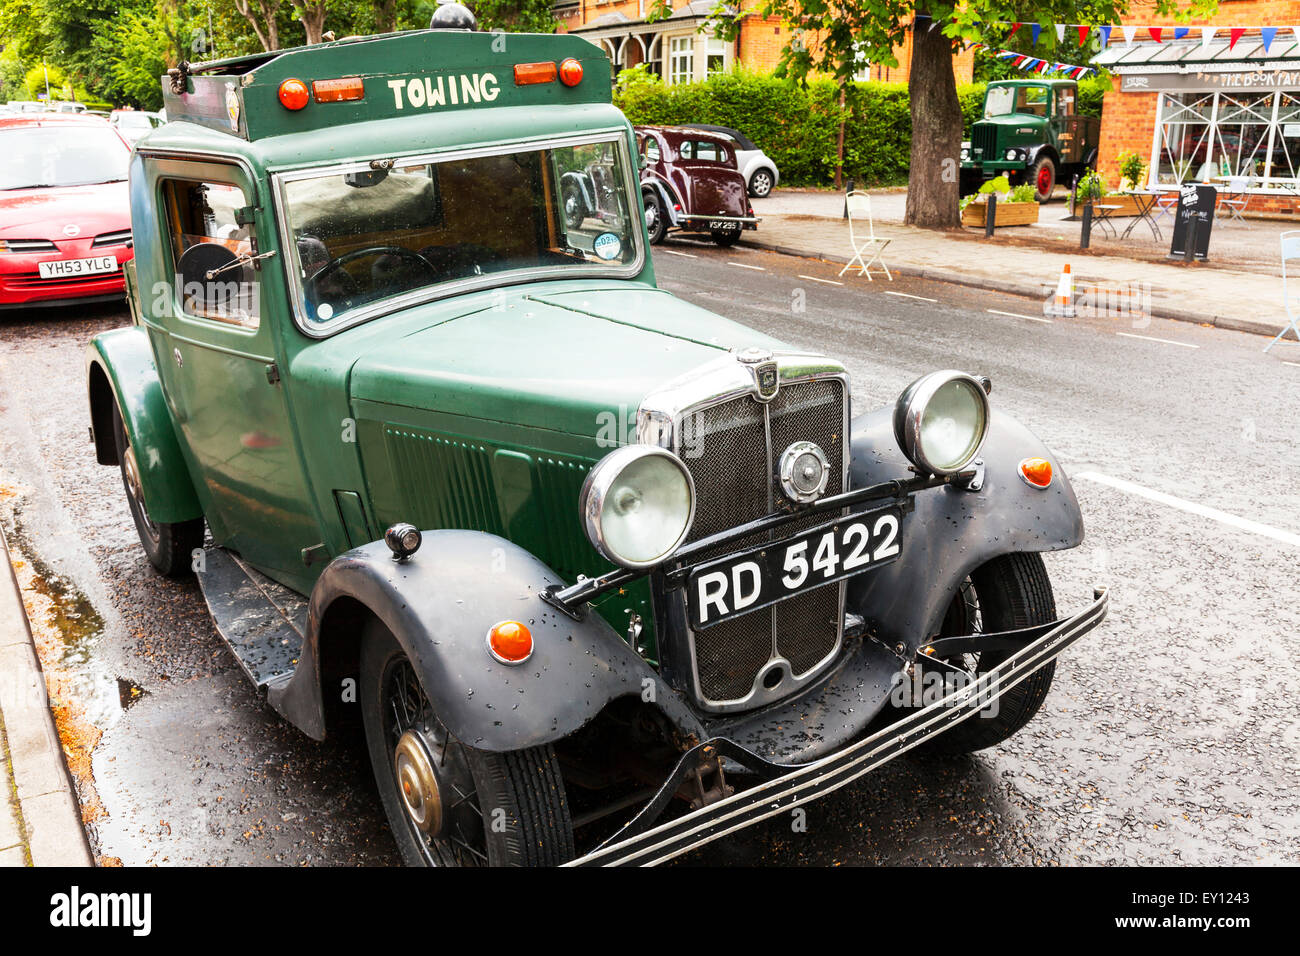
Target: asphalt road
{"type": "Point", "coordinates": [1170, 735]}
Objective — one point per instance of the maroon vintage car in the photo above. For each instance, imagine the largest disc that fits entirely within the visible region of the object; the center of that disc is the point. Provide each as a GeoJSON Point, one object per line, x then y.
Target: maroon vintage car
{"type": "Point", "coordinates": [690, 182]}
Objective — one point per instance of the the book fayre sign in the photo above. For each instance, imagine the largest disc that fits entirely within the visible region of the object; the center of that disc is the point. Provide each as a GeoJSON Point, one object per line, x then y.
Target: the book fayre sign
{"type": "Point", "coordinates": [1233, 80]}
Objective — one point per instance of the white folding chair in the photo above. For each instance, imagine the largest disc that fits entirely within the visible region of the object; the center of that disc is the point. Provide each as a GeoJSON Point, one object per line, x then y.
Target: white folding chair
{"type": "Point", "coordinates": [1235, 198]}
{"type": "Point", "coordinates": [859, 206]}
{"type": "Point", "coordinates": [1290, 250]}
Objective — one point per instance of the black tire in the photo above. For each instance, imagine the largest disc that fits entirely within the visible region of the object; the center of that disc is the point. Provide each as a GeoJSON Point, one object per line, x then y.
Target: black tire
{"type": "Point", "coordinates": [656, 218]}
{"type": "Point", "coordinates": [726, 238]}
{"type": "Point", "coordinates": [1043, 178]}
{"type": "Point", "coordinates": [520, 790]}
{"type": "Point", "coordinates": [761, 183]}
{"type": "Point", "coordinates": [169, 547]}
{"type": "Point", "coordinates": [575, 208]}
{"type": "Point", "coordinates": [1009, 592]}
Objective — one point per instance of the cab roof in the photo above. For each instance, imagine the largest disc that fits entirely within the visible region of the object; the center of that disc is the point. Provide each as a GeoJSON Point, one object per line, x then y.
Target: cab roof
{"type": "Point", "coordinates": [401, 75]}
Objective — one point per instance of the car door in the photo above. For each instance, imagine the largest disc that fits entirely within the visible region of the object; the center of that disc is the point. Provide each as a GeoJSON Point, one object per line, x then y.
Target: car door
{"type": "Point", "coordinates": [1065, 126]}
{"type": "Point", "coordinates": [214, 348]}
{"type": "Point", "coordinates": [711, 181]}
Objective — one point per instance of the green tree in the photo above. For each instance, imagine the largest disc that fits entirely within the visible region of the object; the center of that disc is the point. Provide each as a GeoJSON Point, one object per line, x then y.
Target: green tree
{"type": "Point", "coordinates": [834, 36]}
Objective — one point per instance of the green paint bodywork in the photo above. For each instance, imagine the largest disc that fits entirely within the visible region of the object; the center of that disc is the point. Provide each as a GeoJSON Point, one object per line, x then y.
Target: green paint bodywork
{"type": "Point", "coordinates": [483, 410]}
{"type": "Point", "coordinates": [1072, 139]}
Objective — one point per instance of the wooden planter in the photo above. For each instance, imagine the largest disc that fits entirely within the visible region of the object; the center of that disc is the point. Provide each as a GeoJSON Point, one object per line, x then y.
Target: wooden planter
{"type": "Point", "coordinates": [1009, 214]}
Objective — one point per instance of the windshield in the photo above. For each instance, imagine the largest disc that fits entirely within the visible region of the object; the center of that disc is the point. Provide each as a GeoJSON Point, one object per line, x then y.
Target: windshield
{"type": "Point", "coordinates": [133, 120]}
{"type": "Point", "coordinates": [1005, 100]}
{"type": "Point", "coordinates": [366, 236]}
{"type": "Point", "coordinates": [70, 156]}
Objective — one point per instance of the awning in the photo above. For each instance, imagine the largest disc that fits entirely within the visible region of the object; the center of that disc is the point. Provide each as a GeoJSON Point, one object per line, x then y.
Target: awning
{"type": "Point", "coordinates": [1180, 56]}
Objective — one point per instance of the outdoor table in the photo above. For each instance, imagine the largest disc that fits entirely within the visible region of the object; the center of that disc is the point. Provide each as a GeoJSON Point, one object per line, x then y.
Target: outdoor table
{"type": "Point", "coordinates": [1145, 200]}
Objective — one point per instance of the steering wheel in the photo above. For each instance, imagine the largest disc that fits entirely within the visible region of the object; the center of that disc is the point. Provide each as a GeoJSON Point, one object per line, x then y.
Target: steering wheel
{"type": "Point", "coordinates": [310, 287]}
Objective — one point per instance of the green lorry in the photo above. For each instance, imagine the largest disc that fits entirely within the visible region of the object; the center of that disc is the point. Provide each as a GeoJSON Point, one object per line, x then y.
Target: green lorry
{"type": "Point", "coordinates": [1030, 131]}
{"type": "Point", "coordinates": [600, 575]}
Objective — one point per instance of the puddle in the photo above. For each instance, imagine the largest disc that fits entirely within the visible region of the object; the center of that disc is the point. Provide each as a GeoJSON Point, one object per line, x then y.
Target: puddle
{"type": "Point", "coordinates": [129, 693]}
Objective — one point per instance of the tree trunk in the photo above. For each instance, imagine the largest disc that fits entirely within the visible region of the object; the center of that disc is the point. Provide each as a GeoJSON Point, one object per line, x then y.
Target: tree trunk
{"type": "Point", "coordinates": [933, 183]}
{"type": "Point", "coordinates": [386, 16]}
{"type": "Point", "coordinates": [312, 17]}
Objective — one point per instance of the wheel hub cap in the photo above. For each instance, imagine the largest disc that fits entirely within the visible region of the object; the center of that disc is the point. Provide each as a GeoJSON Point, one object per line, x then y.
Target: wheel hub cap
{"type": "Point", "coordinates": [417, 782]}
{"type": "Point", "coordinates": [133, 476]}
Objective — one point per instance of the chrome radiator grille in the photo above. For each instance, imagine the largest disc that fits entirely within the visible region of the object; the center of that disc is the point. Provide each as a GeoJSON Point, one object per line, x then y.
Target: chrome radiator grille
{"type": "Point", "coordinates": [731, 450]}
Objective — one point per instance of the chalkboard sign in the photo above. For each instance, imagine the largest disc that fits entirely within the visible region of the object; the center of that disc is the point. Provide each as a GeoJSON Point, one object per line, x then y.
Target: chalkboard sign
{"type": "Point", "coordinates": [1195, 205]}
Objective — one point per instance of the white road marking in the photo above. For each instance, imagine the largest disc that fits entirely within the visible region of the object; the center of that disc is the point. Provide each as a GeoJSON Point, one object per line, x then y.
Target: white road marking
{"type": "Point", "coordinates": [1151, 338]}
{"type": "Point", "coordinates": [1244, 524]}
{"type": "Point", "coordinates": [674, 252]}
{"type": "Point", "coordinates": [833, 282]}
{"type": "Point", "coordinates": [1017, 315]}
{"type": "Point", "coordinates": [741, 265]}
{"type": "Point", "coordinates": [1296, 364]}
{"type": "Point", "coordinates": [908, 295]}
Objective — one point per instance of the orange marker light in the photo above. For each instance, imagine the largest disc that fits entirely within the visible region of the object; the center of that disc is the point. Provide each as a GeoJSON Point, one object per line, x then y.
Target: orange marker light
{"type": "Point", "coordinates": [338, 90]}
{"type": "Point", "coordinates": [570, 72]}
{"type": "Point", "coordinates": [510, 642]}
{"type": "Point", "coordinates": [529, 73]}
{"type": "Point", "coordinates": [1036, 471]}
{"type": "Point", "coordinates": [294, 94]}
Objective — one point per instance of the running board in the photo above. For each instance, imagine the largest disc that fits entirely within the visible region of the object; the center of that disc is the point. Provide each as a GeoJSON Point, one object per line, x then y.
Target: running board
{"type": "Point", "coordinates": [262, 621]}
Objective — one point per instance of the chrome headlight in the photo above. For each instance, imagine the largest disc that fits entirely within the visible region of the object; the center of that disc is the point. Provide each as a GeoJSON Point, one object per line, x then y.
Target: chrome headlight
{"type": "Point", "coordinates": [637, 505]}
{"type": "Point", "coordinates": [940, 421]}
{"type": "Point", "coordinates": [965, 151]}
{"type": "Point", "coordinates": [1013, 154]}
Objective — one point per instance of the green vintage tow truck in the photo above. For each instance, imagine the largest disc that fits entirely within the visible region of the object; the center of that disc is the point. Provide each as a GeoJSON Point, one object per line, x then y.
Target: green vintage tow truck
{"type": "Point", "coordinates": [1031, 132]}
{"type": "Point", "coordinates": [601, 575]}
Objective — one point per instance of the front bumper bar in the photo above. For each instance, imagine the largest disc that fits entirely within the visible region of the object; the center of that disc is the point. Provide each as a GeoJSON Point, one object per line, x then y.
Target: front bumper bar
{"type": "Point", "coordinates": [639, 843]}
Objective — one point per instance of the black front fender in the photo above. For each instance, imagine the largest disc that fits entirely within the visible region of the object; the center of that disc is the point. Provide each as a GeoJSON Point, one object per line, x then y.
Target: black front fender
{"type": "Point", "coordinates": [439, 605]}
{"type": "Point", "coordinates": [953, 531]}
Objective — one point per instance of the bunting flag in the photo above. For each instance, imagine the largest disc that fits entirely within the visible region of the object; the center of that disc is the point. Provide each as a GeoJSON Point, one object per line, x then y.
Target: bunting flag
{"type": "Point", "coordinates": [1060, 33]}
{"type": "Point", "coordinates": [1156, 33]}
{"type": "Point", "coordinates": [1129, 33]}
{"type": "Point", "coordinates": [1234, 35]}
{"type": "Point", "coordinates": [1266, 34]}
{"type": "Point", "coordinates": [1035, 64]}
{"type": "Point", "coordinates": [1083, 34]}
{"type": "Point", "coordinates": [1105, 35]}
{"type": "Point", "coordinates": [1014, 28]}
{"type": "Point", "coordinates": [1035, 29]}
{"type": "Point", "coordinates": [1207, 34]}
{"type": "Point", "coordinates": [1180, 32]}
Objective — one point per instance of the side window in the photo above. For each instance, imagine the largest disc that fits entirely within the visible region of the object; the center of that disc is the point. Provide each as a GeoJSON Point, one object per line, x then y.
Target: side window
{"type": "Point", "coordinates": [686, 150]}
{"type": "Point", "coordinates": [1065, 102]}
{"type": "Point", "coordinates": [207, 243]}
{"type": "Point", "coordinates": [704, 150]}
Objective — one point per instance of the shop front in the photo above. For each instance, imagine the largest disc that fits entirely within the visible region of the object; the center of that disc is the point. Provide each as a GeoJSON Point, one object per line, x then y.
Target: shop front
{"type": "Point", "coordinates": [1218, 113]}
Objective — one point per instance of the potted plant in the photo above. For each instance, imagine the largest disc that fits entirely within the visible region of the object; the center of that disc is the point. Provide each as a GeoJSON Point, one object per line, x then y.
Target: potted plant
{"type": "Point", "coordinates": [1131, 170]}
{"type": "Point", "coordinates": [1092, 188]}
{"type": "Point", "coordinates": [1016, 207]}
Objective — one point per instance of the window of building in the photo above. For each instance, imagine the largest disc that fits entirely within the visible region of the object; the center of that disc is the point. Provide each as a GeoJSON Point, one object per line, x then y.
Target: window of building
{"type": "Point", "coordinates": [715, 56]}
{"type": "Point", "coordinates": [681, 59]}
{"type": "Point", "coordinates": [1203, 135]}
{"type": "Point", "coordinates": [861, 65]}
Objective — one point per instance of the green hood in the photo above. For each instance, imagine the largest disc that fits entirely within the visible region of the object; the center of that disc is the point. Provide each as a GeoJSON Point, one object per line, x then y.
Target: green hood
{"type": "Point", "coordinates": [561, 357]}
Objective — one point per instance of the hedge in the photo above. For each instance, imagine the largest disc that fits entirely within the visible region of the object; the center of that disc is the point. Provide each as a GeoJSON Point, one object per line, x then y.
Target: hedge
{"type": "Point", "coordinates": [798, 126]}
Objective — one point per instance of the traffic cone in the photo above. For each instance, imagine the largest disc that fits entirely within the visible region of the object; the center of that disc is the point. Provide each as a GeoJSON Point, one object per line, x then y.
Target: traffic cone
{"type": "Point", "coordinates": [1063, 303]}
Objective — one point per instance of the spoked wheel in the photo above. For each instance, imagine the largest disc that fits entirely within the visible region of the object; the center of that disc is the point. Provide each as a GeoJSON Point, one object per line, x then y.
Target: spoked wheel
{"type": "Point", "coordinates": [449, 804]}
{"type": "Point", "coordinates": [575, 210]}
{"type": "Point", "coordinates": [169, 546]}
{"type": "Point", "coordinates": [1009, 592]}
{"type": "Point", "coordinates": [656, 219]}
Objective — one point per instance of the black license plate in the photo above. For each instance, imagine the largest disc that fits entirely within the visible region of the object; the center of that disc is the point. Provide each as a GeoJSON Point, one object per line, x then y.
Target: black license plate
{"type": "Point", "coordinates": [741, 583]}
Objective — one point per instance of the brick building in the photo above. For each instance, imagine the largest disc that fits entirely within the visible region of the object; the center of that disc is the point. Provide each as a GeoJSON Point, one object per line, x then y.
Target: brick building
{"type": "Point", "coordinates": [681, 49]}
{"type": "Point", "coordinates": [1195, 111]}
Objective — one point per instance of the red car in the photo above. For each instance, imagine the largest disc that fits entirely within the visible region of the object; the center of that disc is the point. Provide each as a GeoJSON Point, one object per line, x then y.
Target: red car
{"type": "Point", "coordinates": [65, 217]}
{"type": "Point", "coordinates": [690, 182]}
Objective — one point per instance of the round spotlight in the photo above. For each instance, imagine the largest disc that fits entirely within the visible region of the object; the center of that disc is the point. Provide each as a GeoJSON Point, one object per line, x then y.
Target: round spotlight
{"type": "Point", "coordinates": [403, 540]}
{"type": "Point", "coordinates": [294, 94]}
{"type": "Point", "coordinates": [637, 505]}
{"type": "Point", "coordinates": [940, 421]}
{"type": "Point", "coordinates": [570, 72]}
